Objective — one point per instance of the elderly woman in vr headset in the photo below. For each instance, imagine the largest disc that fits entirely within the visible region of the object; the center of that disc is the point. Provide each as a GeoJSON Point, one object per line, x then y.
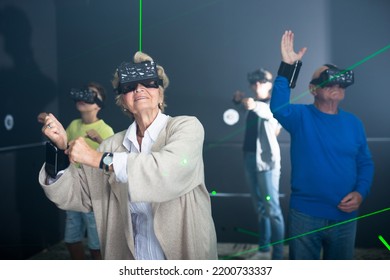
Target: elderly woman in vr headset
{"type": "Point", "coordinates": [145, 184]}
{"type": "Point", "coordinates": [332, 169]}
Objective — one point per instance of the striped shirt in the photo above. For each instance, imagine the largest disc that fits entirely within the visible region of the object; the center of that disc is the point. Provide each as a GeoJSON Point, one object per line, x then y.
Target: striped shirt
{"type": "Point", "coordinates": [147, 247]}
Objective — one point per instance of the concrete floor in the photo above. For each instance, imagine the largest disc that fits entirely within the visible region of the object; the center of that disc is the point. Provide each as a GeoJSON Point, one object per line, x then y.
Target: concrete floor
{"type": "Point", "coordinates": [233, 251]}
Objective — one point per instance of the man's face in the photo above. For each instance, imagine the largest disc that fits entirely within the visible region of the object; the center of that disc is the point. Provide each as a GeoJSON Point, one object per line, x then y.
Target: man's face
{"type": "Point", "coordinates": [326, 93]}
{"type": "Point", "coordinates": [331, 93]}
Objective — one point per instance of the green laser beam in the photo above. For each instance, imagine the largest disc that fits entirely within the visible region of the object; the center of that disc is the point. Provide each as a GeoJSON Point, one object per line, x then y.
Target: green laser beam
{"type": "Point", "coordinates": [229, 136]}
{"type": "Point", "coordinates": [294, 99]}
{"type": "Point", "coordinates": [248, 232]}
{"type": "Point", "coordinates": [304, 234]}
{"type": "Point", "coordinates": [140, 25]}
{"type": "Point", "coordinates": [349, 68]}
{"type": "Point", "coordinates": [369, 57]}
{"type": "Point", "coordinates": [184, 14]}
{"type": "Point", "coordinates": [384, 242]}
{"type": "Point", "coordinates": [324, 228]}
{"type": "Point", "coordinates": [119, 39]}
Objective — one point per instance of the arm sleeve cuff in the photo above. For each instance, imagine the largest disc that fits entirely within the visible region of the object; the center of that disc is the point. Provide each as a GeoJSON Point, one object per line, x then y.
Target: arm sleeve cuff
{"type": "Point", "coordinates": [119, 162]}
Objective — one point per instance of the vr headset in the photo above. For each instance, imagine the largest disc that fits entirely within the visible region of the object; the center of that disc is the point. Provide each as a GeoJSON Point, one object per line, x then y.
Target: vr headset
{"type": "Point", "coordinates": [258, 76]}
{"type": "Point", "coordinates": [132, 74]}
{"type": "Point", "coordinates": [334, 76]}
{"type": "Point", "coordinates": [86, 95]}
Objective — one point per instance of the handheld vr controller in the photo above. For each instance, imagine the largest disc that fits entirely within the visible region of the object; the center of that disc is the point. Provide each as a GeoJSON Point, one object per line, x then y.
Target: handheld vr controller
{"type": "Point", "coordinates": [56, 160]}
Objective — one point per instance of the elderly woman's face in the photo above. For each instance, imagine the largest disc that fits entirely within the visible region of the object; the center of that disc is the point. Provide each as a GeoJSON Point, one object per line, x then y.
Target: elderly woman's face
{"type": "Point", "coordinates": [142, 100]}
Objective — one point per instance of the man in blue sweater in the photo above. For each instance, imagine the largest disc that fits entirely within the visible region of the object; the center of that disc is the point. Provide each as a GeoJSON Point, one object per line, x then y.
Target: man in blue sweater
{"type": "Point", "coordinates": [332, 169]}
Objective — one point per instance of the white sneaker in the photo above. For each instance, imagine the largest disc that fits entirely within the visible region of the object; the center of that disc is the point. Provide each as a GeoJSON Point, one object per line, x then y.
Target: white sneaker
{"type": "Point", "coordinates": [261, 256]}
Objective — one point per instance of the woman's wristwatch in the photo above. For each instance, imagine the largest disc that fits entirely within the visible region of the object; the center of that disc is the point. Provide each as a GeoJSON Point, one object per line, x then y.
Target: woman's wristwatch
{"type": "Point", "coordinates": [106, 161]}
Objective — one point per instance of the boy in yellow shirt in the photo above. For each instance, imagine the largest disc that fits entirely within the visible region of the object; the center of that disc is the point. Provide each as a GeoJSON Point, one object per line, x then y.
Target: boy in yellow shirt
{"type": "Point", "coordinates": [88, 102]}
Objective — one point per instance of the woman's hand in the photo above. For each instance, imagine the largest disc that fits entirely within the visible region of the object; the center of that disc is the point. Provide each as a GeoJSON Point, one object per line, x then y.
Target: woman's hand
{"type": "Point", "coordinates": [54, 130]}
{"type": "Point", "coordinates": [287, 48]}
{"type": "Point", "coordinates": [80, 152]}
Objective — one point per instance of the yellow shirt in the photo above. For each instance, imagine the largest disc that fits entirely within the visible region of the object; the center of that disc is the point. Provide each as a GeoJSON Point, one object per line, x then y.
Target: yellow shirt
{"type": "Point", "coordinates": [77, 128]}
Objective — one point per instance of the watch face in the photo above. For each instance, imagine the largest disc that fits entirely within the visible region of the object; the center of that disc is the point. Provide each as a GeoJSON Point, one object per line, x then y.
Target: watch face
{"type": "Point", "coordinates": [107, 160]}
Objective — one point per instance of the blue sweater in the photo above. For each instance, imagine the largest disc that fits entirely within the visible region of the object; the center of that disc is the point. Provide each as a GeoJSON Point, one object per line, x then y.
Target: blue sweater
{"type": "Point", "coordinates": [329, 155]}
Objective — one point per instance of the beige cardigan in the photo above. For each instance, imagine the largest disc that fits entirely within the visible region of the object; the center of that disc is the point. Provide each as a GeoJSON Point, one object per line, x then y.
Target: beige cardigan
{"type": "Point", "coordinates": [171, 178]}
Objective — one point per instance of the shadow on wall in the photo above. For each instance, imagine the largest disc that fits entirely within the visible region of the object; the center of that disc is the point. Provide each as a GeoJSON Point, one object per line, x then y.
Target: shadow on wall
{"type": "Point", "coordinates": [25, 91]}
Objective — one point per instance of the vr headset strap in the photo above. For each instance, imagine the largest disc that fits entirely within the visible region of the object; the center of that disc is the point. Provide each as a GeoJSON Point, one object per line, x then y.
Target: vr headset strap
{"type": "Point", "coordinates": [99, 102]}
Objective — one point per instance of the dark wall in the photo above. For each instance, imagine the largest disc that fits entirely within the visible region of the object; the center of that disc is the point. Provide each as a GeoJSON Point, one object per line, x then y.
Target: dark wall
{"type": "Point", "coordinates": [93, 38]}
{"type": "Point", "coordinates": [28, 73]}
{"type": "Point", "coordinates": [207, 48]}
